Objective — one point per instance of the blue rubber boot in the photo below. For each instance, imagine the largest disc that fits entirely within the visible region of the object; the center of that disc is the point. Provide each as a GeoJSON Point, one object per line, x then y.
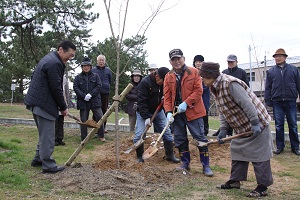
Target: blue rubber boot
{"type": "Point", "coordinates": [185, 158]}
{"type": "Point", "coordinates": [204, 159]}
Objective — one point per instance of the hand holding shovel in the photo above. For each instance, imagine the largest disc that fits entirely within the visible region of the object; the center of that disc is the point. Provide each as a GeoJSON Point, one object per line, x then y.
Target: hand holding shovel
{"type": "Point", "coordinates": [203, 144]}
{"type": "Point", "coordinates": [153, 148]}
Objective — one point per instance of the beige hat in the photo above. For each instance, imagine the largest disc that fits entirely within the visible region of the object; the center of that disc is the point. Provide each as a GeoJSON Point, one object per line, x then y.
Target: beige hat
{"type": "Point", "coordinates": [280, 51]}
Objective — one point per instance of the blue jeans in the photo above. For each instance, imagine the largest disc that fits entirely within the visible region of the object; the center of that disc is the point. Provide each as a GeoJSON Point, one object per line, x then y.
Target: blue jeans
{"type": "Point", "coordinates": [288, 109]}
{"type": "Point", "coordinates": [196, 128]}
{"type": "Point", "coordinates": [159, 123]}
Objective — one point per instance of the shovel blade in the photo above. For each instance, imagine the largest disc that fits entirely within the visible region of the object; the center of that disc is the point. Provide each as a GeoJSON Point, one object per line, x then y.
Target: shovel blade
{"type": "Point", "coordinates": [150, 152]}
{"type": "Point", "coordinates": [134, 146]}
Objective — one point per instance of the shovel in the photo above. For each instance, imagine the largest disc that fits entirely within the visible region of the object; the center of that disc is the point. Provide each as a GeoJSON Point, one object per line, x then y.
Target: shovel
{"type": "Point", "coordinates": [141, 140]}
{"type": "Point", "coordinates": [88, 123]}
{"type": "Point", "coordinates": [153, 148]}
{"type": "Point", "coordinates": [203, 144]}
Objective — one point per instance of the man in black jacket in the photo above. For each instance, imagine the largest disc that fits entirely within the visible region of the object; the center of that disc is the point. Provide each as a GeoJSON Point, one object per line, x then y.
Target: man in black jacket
{"type": "Point", "coordinates": [45, 98]}
{"type": "Point", "coordinates": [150, 93]}
{"type": "Point", "coordinates": [235, 71]}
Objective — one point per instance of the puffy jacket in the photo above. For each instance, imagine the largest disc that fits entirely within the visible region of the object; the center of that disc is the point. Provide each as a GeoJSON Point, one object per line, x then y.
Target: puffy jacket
{"type": "Point", "coordinates": [282, 84]}
{"type": "Point", "coordinates": [132, 99]}
{"type": "Point", "coordinates": [105, 77]}
{"type": "Point", "coordinates": [191, 93]}
{"type": "Point", "coordinates": [45, 89]}
{"type": "Point", "coordinates": [149, 96]}
{"type": "Point", "coordinates": [85, 83]}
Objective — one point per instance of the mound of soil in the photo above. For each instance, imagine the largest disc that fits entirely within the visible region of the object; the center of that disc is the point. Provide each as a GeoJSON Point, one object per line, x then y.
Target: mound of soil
{"type": "Point", "coordinates": [132, 179]}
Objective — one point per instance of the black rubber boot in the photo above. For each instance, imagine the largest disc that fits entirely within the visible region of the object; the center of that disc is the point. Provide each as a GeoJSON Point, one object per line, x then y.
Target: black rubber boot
{"type": "Point", "coordinates": [170, 153]}
{"type": "Point", "coordinates": [204, 159]}
{"type": "Point", "coordinates": [139, 153]}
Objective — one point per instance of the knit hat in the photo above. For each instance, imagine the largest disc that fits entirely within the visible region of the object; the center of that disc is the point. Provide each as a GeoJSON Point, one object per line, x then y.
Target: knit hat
{"type": "Point", "coordinates": [231, 58]}
{"type": "Point", "coordinates": [175, 53]}
{"type": "Point", "coordinates": [86, 61]}
{"type": "Point", "coordinates": [198, 58]}
{"type": "Point", "coordinates": [210, 70]}
{"type": "Point", "coordinates": [280, 51]}
{"type": "Point", "coordinates": [136, 72]}
{"type": "Point", "coordinates": [162, 72]}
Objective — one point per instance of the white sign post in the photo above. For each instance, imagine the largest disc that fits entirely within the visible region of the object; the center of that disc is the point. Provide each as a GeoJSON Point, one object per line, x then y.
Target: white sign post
{"type": "Point", "coordinates": [13, 88]}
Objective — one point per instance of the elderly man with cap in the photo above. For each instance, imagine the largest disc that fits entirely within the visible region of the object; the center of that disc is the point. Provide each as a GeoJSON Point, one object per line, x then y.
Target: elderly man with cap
{"type": "Point", "coordinates": [198, 59]}
{"type": "Point", "coordinates": [150, 93]}
{"type": "Point", "coordinates": [87, 86]}
{"type": "Point", "coordinates": [282, 89]}
{"type": "Point", "coordinates": [241, 109]}
{"type": "Point", "coordinates": [183, 89]}
{"type": "Point", "coordinates": [235, 71]}
{"type": "Point", "coordinates": [131, 97]}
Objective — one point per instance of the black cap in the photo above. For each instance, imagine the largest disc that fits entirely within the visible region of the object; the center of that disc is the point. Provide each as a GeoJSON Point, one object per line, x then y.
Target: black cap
{"type": "Point", "coordinates": [86, 61]}
{"type": "Point", "coordinates": [175, 53]}
{"type": "Point", "coordinates": [162, 72]}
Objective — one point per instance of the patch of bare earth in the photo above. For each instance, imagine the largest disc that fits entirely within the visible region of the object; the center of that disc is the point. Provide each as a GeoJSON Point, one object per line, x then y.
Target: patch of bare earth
{"type": "Point", "coordinates": [100, 177]}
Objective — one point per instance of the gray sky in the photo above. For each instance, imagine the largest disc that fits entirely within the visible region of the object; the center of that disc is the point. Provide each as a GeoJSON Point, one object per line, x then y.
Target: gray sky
{"type": "Point", "coordinates": [214, 28]}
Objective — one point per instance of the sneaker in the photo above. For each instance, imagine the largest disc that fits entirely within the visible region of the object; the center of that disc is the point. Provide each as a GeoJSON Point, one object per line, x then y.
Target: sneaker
{"type": "Point", "coordinates": [53, 170]}
{"type": "Point", "coordinates": [102, 139]}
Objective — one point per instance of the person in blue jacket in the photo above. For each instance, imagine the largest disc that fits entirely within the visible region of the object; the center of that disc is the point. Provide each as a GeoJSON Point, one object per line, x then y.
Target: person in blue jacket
{"type": "Point", "coordinates": [282, 89]}
{"type": "Point", "coordinates": [105, 75]}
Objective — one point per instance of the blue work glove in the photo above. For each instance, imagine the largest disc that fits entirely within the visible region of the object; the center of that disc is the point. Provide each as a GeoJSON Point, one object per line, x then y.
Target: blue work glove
{"type": "Point", "coordinates": [255, 128]}
{"type": "Point", "coordinates": [182, 107]}
{"type": "Point", "coordinates": [170, 118]}
{"type": "Point", "coordinates": [222, 134]}
{"type": "Point", "coordinates": [147, 122]}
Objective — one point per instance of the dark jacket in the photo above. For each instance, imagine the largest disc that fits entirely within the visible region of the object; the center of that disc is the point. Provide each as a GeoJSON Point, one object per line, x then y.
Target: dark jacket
{"type": "Point", "coordinates": [132, 99]}
{"type": "Point", "coordinates": [149, 96]}
{"type": "Point", "coordinates": [105, 77]}
{"type": "Point", "coordinates": [45, 89]}
{"type": "Point", "coordinates": [85, 83]}
{"type": "Point", "coordinates": [206, 97]}
{"type": "Point", "coordinates": [237, 73]}
{"type": "Point", "coordinates": [282, 84]}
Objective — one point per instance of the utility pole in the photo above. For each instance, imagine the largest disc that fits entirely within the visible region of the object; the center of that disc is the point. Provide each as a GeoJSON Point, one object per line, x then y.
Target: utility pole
{"type": "Point", "coordinates": [250, 81]}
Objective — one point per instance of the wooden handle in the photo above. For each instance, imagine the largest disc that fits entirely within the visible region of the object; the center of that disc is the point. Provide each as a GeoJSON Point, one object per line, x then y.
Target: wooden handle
{"type": "Point", "coordinates": [231, 137]}
{"type": "Point", "coordinates": [74, 117]}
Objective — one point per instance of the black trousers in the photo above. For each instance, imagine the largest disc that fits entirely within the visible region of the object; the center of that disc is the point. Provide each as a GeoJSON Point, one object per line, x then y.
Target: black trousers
{"type": "Point", "coordinates": [104, 101]}
{"type": "Point", "coordinates": [59, 128]}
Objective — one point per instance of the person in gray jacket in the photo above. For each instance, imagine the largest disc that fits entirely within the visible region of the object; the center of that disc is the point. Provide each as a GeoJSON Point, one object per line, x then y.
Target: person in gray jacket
{"type": "Point", "coordinates": [45, 99]}
{"type": "Point", "coordinates": [282, 89]}
{"type": "Point", "coordinates": [241, 109]}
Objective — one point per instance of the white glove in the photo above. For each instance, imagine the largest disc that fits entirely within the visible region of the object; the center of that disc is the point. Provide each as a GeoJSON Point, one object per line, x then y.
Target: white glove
{"type": "Point", "coordinates": [147, 122]}
{"type": "Point", "coordinates": [87, 97]}
{"type": "Point", "coordinates": [170, 118]}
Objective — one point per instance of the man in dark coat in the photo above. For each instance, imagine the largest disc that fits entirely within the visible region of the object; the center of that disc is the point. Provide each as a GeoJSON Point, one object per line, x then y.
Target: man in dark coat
{"type": "Point", "coordinates": [87, 86]}
{"type": "Point", "coordinates": [105, 75]}
{"type": "Point", "coordinates": [45, 99]}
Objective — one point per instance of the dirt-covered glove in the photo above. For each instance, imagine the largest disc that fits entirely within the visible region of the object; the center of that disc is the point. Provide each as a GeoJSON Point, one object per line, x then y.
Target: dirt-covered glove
{"type": "Point", "coordinates": [222, 134]}
{"type": "Point", "coordinates": [255, 128]}
{"type": "Point", "coordinates": [87, 97]}
{"type": "Point", "coordinates": [170, 118]}
{"type": "Point", "coordinates": [147, 122]}
{"type": "Point", "coordinates": [182, 107]}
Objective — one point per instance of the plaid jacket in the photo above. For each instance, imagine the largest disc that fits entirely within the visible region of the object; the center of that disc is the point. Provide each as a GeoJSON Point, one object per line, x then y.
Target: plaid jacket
{"type": "Point", "coordinates": [235, 115]}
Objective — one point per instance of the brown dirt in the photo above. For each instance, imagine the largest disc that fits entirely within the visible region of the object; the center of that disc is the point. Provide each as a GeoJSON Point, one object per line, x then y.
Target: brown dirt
{"type": "Point", "coordinates": [137, 181]}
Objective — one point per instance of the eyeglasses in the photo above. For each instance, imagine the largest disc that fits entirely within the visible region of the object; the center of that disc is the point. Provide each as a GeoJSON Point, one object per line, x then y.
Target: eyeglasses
{"type": "Point", "coordinates": [70, 54]}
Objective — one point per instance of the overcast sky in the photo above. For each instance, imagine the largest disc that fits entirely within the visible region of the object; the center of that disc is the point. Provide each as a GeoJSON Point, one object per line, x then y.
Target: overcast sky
{"type": "Point", "coordinates": [212, 28]}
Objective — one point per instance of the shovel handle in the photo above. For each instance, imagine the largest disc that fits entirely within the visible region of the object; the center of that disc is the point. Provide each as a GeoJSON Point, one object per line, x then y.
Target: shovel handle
{"type": "Point", "coordinates": [74, 117]}
{"type": "Point", "coordinates": [231, 137]}
{"type": "Point", "coordinates": [164, 130]}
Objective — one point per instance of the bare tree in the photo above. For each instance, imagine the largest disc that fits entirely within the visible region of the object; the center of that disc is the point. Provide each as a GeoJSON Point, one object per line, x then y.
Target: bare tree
{"type": "Point", "coordinates": [118, 41]}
